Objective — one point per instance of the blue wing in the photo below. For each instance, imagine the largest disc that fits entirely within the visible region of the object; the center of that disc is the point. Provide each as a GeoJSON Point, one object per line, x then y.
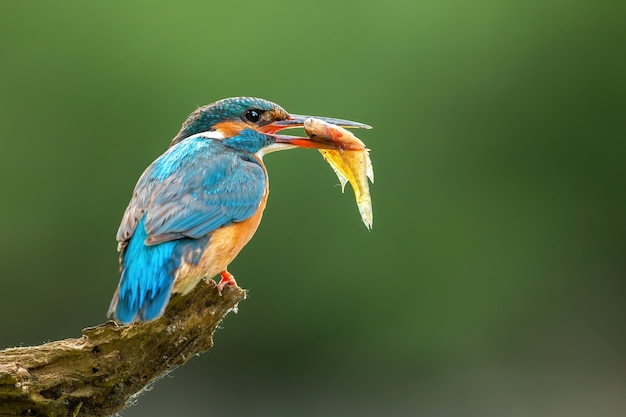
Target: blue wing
{"type": "Point", "coordinates": [196, 187]}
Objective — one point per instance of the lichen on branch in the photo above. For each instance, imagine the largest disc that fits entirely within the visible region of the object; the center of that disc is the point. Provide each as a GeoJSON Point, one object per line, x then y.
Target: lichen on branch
{"type": "Point", "coordinates": [100, 372]}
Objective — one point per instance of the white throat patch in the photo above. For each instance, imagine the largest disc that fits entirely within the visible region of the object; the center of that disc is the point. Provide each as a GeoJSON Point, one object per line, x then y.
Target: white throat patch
{"type": "Point", "coordinates": [273, 148]}
{"type": "Point", "coordinates": [209, 134]}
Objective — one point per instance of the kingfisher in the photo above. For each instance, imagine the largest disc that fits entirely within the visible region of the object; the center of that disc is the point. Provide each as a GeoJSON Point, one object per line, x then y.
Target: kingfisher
{"type": "Point", "coordinates": [198, 204]}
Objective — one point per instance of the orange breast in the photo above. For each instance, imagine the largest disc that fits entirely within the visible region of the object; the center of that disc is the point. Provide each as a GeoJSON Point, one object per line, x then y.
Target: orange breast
{"type": "Point", "coordinates": [224, 245]}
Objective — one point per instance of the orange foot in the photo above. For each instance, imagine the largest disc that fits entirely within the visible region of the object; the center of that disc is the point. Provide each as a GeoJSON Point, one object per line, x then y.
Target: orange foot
{"type": "Point", "coordinates": [227, 279]}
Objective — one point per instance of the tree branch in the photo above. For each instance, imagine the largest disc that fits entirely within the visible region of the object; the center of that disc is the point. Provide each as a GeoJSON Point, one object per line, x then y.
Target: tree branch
{"type": "Point", "coordinates": [100, 372]}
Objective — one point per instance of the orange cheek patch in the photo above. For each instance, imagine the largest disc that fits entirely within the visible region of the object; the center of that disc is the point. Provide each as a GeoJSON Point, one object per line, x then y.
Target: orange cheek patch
{"type": "Point", "coordinates": [229, 129]}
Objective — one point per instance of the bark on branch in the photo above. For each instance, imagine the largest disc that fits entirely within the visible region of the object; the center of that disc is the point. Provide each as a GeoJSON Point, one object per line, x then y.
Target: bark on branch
{"type": "Point", "coordinates": [98, 373]}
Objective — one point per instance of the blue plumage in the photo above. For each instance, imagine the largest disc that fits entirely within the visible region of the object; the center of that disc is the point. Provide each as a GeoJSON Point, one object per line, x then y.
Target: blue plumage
{"type": "Point", "coordinates": [206, 116]}
{"type": "Point", "coordinates": [210, 177]}
{"type": "Point", "coordinates": [148, 273]}
{"type": "Point", "coordinates": [194, 188]}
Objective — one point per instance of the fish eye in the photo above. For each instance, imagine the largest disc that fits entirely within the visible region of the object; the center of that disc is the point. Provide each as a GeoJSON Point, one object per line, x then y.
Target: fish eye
{"type": "Point", "coordinates": [253, 115]}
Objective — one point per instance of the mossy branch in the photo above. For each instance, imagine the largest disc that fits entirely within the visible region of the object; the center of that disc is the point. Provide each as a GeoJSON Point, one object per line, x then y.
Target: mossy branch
{"type": "Point", "coordinates": [100, 372]}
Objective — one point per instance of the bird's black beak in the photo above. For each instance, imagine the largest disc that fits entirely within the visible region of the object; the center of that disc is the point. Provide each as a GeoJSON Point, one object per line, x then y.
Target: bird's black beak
{"type": "Point", "coordinates": [295, 121]}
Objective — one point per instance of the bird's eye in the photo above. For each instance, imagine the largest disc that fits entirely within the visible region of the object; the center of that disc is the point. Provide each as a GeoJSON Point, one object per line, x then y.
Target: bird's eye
{"type": "Point", "coordinates": [253, 115]}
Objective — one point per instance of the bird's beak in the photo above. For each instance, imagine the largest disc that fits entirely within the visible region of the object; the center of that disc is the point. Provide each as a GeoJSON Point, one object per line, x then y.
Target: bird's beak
{"type": "Point", "coordinates": [296, 121]}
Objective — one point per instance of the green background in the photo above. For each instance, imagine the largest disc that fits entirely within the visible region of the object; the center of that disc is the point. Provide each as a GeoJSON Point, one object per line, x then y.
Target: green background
{"type": "Point", "coordinates": [493, 281]}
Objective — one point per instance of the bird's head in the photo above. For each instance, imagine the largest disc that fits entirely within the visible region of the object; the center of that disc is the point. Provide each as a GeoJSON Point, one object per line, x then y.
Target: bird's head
{"type": "Point", "coordinates": [251, 124]}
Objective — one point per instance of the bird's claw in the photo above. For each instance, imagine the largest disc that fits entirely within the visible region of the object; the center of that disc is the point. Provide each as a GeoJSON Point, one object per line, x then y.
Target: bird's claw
{"type": "Point", "coordinates": [227, 279]}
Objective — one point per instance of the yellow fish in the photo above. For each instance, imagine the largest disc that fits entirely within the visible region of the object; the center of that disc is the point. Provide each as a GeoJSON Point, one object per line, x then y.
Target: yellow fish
{"type": "Point", "coordinates": [351, 162]}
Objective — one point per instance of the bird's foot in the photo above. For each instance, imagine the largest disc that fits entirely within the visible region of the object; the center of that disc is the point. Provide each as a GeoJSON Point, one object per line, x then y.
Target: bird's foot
{"type": "Point", "coordinates": [227, 279]}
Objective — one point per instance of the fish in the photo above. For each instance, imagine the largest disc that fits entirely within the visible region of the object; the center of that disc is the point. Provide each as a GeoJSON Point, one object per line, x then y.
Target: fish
{"type": "Point", "coordinates": [351, 162]}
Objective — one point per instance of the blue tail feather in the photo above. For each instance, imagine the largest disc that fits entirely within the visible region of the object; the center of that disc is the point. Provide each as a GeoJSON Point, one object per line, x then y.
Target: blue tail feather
{"type": "Point", "coordinates": [148, 273]}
